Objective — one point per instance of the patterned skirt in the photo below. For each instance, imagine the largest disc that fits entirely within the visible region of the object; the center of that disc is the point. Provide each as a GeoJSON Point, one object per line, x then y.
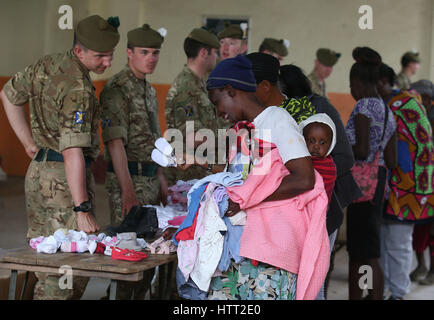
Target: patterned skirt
{"type": "Point", "coordinates": [245, 281]}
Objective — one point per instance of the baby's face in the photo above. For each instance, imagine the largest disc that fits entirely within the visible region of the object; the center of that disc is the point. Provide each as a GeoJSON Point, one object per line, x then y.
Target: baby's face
{"type": "Point", "coordinates": [318, 138]}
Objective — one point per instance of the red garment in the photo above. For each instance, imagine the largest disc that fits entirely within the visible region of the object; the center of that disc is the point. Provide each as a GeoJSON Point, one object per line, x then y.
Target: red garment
{"type": "Point", "coordinates": [177, 221]}
{"type": "Point", "coordinates": [422, 238]}
{"type": "Point", "coordinates": [245, 144]}
{"type": "Point", "coordinates": [188, 233]}
{"type": "Point", "coordinates": [327, 169]}
{"type": "Point", "coordinates": [100, 248]}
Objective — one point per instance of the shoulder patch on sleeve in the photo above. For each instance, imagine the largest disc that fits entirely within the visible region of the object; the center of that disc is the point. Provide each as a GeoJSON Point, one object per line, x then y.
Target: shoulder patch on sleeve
{"type": "Point", "coordinates": [189, 112]}
{"type": "Point", "coordinates": [79, 117]}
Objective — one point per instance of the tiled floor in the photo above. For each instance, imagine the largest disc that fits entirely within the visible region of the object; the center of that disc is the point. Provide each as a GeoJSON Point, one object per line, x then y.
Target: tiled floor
{"type": "Point", "coordinates": [13, 225]}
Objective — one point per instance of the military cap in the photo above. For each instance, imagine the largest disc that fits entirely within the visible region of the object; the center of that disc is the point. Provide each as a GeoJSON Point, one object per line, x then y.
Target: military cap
{"type": "Point", "coordinates": [205, 37]}
{"type": "Point", "coordinates": [97, 34]}
{"type": "Point", "coordinates": [146, 37]}
{"type": "Point", "coordinates": [234, 31]}
{"type": "Point", "coordinates": [278, 46]}
{"type": "Point", "coordinates": [411, 56]}
{"type": "Point", "coordinates": [327, 57]}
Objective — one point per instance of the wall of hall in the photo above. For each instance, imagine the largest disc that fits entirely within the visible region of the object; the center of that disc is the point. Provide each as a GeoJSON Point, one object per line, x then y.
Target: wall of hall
{"type": "Point", "coordinates": [29, 29]}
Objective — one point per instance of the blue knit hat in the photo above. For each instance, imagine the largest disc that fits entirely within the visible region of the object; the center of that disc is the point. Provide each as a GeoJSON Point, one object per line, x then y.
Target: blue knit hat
{"type": "Point", "coordinates": [237, 72]}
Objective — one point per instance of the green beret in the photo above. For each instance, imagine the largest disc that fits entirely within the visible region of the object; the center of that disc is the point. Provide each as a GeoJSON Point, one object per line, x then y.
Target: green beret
{"type": "Point", "coordinates": [97, 34]}
{"type": "Point", "coordinates": [145, 37]}
{"type": "Point", "coordinates": [411, 56]}
{"type": "Point", "coordinates": [276, 46]}
{"type": "Point", "coordinates": [205, 37]}
{"type": "Point", "coordinates": [327, 57]}
{"type": "Point", "coordinates": [233, 31]}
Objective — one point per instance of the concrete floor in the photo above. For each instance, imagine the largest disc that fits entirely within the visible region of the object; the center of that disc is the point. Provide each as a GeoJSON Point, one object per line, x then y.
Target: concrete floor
{"type": "Point", "coordinates": [13, 226]}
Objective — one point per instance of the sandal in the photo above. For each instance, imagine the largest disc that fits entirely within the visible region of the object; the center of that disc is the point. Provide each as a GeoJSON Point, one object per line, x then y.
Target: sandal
{"type": "Point", "coordinates": [138, 253]}
{"type": "Point", "coordinates": [127, 254]}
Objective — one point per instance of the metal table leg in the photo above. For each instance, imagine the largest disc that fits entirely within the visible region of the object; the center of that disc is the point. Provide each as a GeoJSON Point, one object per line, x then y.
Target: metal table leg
{"type": "Point", "coordinates": [13, 284]}
{"type": "Point", "coordinates": [113, 287]}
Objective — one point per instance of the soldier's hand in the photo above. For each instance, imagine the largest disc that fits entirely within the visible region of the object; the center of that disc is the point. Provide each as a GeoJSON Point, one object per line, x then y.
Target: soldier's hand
{"type": "Point", "coordinates": [184, 166]}
{"type": "Point", "coordinates": [129, 199]}
{"type": "Point", "coordinates": [164, 190]}
{"type": "Point", "coordinates": [31, 150]}
{"type": "Point", "coordinates": [86, 222]}
{"type": "Point", "coordinates": [182, 163]}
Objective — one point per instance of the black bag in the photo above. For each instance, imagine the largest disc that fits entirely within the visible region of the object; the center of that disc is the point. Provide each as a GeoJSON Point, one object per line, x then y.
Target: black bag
{"type": "Point", "coordinates": [148, 225]}
{"type": "Point", "coordinates": [141, 220]}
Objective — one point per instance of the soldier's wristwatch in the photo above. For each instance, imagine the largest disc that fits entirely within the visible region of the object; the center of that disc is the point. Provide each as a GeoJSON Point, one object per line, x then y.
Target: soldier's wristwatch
{"type": "Point", "coordinates": [83, 207]}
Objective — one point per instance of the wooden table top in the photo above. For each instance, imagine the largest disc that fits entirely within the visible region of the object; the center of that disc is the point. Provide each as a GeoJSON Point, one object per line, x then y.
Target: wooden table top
{"type": "Point", "coordinates": [84, 261]}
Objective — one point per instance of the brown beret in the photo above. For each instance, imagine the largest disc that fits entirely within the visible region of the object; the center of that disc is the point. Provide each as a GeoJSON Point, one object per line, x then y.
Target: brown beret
{"type": "Point", "coordinates": [327, 57]}
{"type": "Point", "coordinates": [145, 37]}
{"type": "Point", "coordinates": [205, 37]}
{"type": "Point", "coordinates": [276, 46]}
{"type": "Point", "coordinates": [97, 34]}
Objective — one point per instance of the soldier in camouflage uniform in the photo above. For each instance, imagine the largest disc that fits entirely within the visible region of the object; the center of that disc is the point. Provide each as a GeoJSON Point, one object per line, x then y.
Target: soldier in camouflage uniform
{"type": "Point", "coordinates": [187, 99]}
{"type": "Point", "coordinates": [410, 63]}
{"type": "Point", "coordinates": [130, 127]}
{"type": "Point", "coordinates": [62, 139]}
{"type": "Point", "coordinates": [325, 60]}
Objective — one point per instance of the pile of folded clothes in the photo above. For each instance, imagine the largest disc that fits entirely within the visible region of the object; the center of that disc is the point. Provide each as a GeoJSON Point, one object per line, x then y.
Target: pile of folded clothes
{"type": "Point", "coordinates": [123, 245]}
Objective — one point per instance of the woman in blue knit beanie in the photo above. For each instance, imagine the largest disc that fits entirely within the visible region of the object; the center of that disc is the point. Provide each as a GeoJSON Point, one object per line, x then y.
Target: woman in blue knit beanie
{"type": "Point", "coordinates": [231, 88]}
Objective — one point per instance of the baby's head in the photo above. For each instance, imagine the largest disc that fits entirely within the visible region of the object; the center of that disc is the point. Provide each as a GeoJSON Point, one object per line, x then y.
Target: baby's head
{"type": "Point", "coordinates": [319, 133]}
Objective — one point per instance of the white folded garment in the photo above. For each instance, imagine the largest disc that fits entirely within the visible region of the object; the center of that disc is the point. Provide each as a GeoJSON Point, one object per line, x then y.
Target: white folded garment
{"type": "Point", "coordinates": [48, 245]}
{"type": "Point", "coordinates": [238, 219]}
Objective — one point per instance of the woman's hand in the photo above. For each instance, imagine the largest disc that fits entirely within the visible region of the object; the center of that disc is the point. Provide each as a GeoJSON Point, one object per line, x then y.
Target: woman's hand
{"type": "Point", "coordinates": [168, 233]}
{"type": "Point", "coordinates": [233, 208]}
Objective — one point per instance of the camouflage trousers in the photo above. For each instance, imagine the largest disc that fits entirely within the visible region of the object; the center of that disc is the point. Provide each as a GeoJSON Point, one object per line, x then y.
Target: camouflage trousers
{"type": "Point", "coordinates": [50, 207]}
{"type": "Point", "coordinates": [147, 191]}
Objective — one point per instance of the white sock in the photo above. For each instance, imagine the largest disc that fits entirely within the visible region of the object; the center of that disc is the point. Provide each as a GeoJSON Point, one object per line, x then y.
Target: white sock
{"type": "Point", "coordinates": [108, 251]}
{"type": "Point", "coordinates": [48, 245]}
{"type": "Point", "coordinates": [163, 160]}
{"type": "Point", "coordinates": [91, 246]}
{"type": "Point", "coordinates": [164, 146]}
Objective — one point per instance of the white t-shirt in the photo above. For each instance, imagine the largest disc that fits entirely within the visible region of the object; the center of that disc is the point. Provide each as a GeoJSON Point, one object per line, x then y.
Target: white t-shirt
{"type": "Point", "coordinates": [276, 125]}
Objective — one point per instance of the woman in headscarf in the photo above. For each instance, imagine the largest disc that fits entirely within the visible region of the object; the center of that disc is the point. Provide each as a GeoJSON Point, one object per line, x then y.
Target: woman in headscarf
{"type": "Point", "coordinates": [411, 199]}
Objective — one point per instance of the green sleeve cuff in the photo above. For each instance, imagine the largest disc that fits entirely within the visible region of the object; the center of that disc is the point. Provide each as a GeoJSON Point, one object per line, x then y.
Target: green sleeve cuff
{"type": "Point", "coordinates": [14, 96]}
{"type": "Point", "coordinates": [112, 133]}
{"type": "Point", "coordinates": [75, 140]}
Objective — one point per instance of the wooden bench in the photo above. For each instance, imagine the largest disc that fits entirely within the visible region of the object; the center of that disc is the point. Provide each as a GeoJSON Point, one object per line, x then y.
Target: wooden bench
{"type": "Point", "coordinates": [87, 265]}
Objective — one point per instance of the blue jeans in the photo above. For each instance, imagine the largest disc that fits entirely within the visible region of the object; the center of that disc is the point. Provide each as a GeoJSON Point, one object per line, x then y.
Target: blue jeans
{"type": "Point", "coordinates": [396, 256]}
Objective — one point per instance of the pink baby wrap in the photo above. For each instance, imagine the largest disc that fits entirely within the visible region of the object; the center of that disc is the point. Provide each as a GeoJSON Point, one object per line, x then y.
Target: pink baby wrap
{"type": "Point", "coordinates": [290, 234]}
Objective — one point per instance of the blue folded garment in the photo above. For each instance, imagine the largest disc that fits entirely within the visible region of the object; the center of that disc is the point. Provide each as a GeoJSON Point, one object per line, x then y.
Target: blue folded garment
{"type": "Point", "coordinates": [193, 207]}
{"type": "Point", "coordinates": [232, 237]}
